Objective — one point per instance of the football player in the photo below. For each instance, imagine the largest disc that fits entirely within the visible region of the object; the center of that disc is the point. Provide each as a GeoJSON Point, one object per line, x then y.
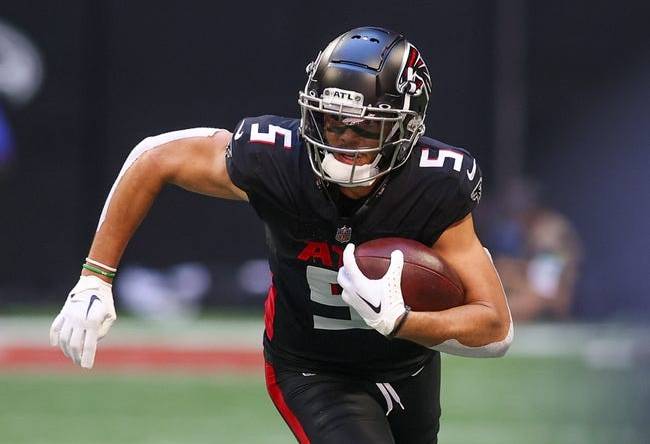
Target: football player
{"type": "Point", "coordinates": [346, 362]}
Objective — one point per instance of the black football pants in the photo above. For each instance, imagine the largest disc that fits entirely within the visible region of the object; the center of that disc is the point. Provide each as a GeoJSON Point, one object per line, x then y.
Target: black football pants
{"type": "Point", "coordinates": [326, 409]}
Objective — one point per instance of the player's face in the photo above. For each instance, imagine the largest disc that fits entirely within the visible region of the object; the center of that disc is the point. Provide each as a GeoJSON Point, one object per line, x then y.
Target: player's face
{"type": "Point", "coordinates": [345, 132]}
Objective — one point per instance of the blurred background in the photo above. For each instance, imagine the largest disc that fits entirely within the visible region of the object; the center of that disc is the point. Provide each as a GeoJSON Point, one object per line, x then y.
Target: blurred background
{"type": "Point", "coordinates": [553, 98]}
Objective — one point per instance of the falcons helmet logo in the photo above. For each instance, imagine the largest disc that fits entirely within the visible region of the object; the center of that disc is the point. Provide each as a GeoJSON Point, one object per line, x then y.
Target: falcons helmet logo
{"type": "Point", "coordinates": [414, 75]}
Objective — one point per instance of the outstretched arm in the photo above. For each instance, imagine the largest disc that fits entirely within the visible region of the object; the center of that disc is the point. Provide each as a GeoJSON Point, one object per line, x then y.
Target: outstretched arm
{"type": "Point", "coordinates": [193, 159]}
{"type": "Point", "coordinates": [194, 163]}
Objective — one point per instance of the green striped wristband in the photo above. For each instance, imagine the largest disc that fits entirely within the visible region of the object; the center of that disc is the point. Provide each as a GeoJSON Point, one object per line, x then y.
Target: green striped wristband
{"type": "Point", "coordinates": [108, 274]}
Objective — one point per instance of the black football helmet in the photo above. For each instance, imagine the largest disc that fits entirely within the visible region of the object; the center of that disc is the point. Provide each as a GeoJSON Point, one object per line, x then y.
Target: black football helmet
{"type": "Point", "coordinates": [374, 82]}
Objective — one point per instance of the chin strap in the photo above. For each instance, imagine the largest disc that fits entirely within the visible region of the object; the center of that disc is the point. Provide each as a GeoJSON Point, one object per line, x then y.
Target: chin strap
{"type": "Point", "coordinates": [342, 172]}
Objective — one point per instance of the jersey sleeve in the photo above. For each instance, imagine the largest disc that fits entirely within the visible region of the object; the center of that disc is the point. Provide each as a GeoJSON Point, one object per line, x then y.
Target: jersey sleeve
{"type": "Point", "coordinates": [458, 185]}
{"type": "Point", "coordinates": [260, 158]}
{"type": "Point", "coordinates": [467, 193]}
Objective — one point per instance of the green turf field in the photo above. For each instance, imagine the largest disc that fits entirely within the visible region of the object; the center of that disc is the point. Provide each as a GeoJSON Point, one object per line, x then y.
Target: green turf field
{"type": "Point", "coordinates": [513, 400]}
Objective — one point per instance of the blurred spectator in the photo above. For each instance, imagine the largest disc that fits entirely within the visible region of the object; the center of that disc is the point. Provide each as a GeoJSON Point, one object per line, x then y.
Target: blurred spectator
{"type": "Point", "coordinates": [536, 251]}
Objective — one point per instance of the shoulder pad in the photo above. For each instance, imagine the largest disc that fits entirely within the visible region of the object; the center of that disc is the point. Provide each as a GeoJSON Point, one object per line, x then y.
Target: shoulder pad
{"type": "Point", "coordinates": [267, 130]}
{"type": "Point", "coordinates": [454, 163]}
{"type": "Point", "coordinates": [262, 153]}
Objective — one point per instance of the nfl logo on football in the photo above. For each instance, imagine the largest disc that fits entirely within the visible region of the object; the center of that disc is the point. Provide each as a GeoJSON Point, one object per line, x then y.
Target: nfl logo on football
{"type": "Point", "coordinates": [343, 234]}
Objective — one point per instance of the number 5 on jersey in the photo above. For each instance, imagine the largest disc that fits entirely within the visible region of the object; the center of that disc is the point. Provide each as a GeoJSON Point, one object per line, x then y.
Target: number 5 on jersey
{"type": "Point", "coordinates": [269, 137]}
{"type": "Point", "coordinates": [443, 155]}
{"type": "Point", "coordinates": [324, 290]}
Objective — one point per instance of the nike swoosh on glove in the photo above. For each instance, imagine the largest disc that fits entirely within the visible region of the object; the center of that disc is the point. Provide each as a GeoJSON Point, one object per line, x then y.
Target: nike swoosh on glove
{"type": "Point", "coordinates": [85, 318]}
{"type": "Point", "coordinates": [378, 301]}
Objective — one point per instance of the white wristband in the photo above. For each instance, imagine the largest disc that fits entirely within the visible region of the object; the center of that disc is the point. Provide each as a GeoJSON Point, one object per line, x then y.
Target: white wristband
{"type": "Point", "coordinates": [99, 264]}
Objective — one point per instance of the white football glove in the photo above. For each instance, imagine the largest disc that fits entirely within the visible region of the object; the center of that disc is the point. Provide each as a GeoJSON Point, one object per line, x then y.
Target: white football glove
{"type": "Point", "coordinates": [378, 301]}
{"type": "Point", "coordinates": [85, 318]}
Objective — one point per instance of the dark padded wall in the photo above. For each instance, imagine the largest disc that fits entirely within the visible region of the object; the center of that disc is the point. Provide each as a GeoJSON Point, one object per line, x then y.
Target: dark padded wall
{"type": "Point", "coordinates": [119, 71]}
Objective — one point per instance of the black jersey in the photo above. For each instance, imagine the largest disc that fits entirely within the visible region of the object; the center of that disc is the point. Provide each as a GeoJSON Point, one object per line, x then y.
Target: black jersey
{"type": "Point", "coordinates": [308, 325]}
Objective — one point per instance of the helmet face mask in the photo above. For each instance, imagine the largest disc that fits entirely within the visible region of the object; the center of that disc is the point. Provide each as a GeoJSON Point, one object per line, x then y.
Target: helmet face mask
{"type": "Point", "coordinates": [372, 85]}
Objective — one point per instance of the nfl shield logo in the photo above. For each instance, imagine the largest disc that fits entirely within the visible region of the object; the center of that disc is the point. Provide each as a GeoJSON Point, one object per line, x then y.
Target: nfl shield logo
{"type": "Point", "coordinates": [343, 234]}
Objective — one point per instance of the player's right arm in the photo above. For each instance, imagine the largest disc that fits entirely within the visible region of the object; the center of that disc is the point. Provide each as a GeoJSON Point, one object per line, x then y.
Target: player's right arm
{"type": "Point", "coordinates": [197, 164]}
{"type": "Point", "coordinates": [192, 159]}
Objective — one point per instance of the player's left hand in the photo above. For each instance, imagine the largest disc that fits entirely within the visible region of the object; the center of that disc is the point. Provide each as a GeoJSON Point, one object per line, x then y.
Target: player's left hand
{"type": "Point", "coordinates": [378, 301]}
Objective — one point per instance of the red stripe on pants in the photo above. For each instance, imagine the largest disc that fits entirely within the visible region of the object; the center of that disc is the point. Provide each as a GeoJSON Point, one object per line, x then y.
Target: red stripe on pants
{"type": "Point", "coordinates": [278, 399]}
{"type": "Point", "coordinates": [269, 311]}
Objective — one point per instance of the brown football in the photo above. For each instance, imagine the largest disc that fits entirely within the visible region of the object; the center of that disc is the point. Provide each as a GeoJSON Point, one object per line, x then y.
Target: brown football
{"type": "Point", "coordinates": [428, 282]}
